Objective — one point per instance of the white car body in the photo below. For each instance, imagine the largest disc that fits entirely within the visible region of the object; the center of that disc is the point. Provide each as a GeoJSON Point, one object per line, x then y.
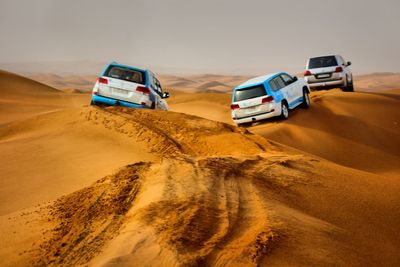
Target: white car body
{"type": "Point", "coordinates": [329, 72]}
{"type": "Point", "coordinates": [122, 85]}
{"type": "Point", "coordinates": [263, 97]}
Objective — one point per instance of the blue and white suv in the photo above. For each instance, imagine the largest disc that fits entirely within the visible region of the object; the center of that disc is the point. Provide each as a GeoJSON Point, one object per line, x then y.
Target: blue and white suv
{"type": "Point", "coordinates": [268, 96]}
{"type": "Point", "coordinates": [122, 85]}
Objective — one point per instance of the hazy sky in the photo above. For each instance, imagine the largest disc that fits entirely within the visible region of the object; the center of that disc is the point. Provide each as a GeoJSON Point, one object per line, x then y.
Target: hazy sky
{"type": "Point", "coordinates": [223, 36]}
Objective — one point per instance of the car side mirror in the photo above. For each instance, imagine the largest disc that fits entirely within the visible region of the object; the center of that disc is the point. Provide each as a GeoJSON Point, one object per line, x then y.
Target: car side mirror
{"type": "Point", "coordinates": [295, 78]}
{"type": "Point", "coordinates": [165, 95]}
{"type": "Point", "coordinates": [348, 63]}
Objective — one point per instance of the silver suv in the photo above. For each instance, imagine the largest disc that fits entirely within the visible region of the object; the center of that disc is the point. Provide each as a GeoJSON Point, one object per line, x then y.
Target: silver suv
{"type": "Point", "coordinates": [328, 72]}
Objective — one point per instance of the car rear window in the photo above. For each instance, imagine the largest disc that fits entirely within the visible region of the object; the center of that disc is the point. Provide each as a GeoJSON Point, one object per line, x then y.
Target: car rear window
{"type": "Point", "coordinates": [249, 92]}
{"type": "Point", "coordinates": [126, 74]}
{"type": "Point", "coordinates": [322, 62]}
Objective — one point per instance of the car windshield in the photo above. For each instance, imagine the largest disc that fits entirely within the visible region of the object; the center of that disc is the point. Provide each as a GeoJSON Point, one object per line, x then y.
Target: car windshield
{"type": "Point", "coordinates": [322, 62]}
{"type": "Point", "coordinates": [126, 74]}
{"type": "Point", "coordinates": [249, 92]}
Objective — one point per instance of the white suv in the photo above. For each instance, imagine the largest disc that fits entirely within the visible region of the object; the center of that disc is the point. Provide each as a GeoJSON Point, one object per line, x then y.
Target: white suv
{"type": "Point", "coordinates": [329, 72]}
{"type": "Point", "coordinates": [122, 85]}
{"type": "Point", "coordinates": [268, 96]}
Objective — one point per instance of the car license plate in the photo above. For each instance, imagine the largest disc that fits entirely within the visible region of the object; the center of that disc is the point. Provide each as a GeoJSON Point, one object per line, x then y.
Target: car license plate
{"type": "Point", "coordinates": [321, 76]}
{"type": "Point", "coordinates": [119, 91]}
{"type": "Point", "coordinates": [250, 110]}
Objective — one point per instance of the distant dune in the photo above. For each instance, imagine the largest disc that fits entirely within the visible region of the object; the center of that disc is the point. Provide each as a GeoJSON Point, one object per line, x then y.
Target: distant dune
{"type": "Point", "coordinates": [13, 85]}
{"type": "Point", "coordinates": [378, 82]}
{"type": "Point", "coordinates": [83, 185]}
{"type": "Point", "coordinates": [66, 81]}
{"type": "Point", "coordinates": [21, 97]}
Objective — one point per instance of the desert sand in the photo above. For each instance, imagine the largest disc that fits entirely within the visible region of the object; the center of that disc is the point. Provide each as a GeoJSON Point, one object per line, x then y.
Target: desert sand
{"type": "Point", "coordinates": [83, 185]}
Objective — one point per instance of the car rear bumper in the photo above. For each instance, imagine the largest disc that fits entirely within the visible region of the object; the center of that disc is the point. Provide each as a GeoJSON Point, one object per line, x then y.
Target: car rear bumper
{"type": "Point", "coordinates": [336, 83]}
{"type": "Point", "coordinates": [115, 102]}
{"type": "Point", "coordinates": [257, 117]}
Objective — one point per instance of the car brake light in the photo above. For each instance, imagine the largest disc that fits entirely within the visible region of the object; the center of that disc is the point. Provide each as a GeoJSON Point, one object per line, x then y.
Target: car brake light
{"type": "Point", "coordinates": [339, 69]}
{"type": "Point", "coordinates": [102, 80]}
{"type": "Point", "coordinates": [235, 106]}
{"type": "Point", "coordinates": [307, 73]}
{"type": "Point", "coordinates": [267, 99]}
{"type": "Point", "coordinates": [143, 90]}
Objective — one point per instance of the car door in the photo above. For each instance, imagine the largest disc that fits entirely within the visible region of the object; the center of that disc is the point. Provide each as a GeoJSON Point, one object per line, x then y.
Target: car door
{"type": "Point", "coordinates": [290, 88]}
{"type": "Point", "coordinates": [278, 87]}
{"type": "Point", "coordinates": [160, 102]}
{"type": "Point", "coordinates": [346, 69]}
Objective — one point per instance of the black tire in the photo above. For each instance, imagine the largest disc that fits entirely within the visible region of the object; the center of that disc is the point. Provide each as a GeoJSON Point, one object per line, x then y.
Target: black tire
{"type": "Point", "coordinates": [306, 99]}
{"type": "Point", "coordinates": [153, 105]}
{"type": "Point", "coordinates": [92, 103]}
{"type": "Point", "coordinates": [285, 110]}
{"type": "Point", "coordinates": [350, 87]}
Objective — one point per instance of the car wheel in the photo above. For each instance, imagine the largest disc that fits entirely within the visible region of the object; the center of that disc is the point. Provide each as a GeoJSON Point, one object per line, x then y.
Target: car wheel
{"type": "Point", "coordinates": [153, 105]}
{"type": "Point", "coordinates": [92, 103]}
{"type": "Point", "coordinates": [306, 99]}
{"type": "Point", "coordinates": [284, 110]}
{"type": "Point", "coordinates": [350, 87]}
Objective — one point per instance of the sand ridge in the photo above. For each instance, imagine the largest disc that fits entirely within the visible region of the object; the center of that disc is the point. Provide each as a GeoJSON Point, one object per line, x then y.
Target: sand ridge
{"type": "Point", "coordinates": [143, 187]}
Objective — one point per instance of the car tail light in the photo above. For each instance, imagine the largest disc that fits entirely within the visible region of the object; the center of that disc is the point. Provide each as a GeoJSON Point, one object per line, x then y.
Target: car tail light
{"type": "Point", "coordinates": [338, 69]}
{"type": "Point", "coordinates": [307, 73]}
{"type": "Point", "coordinates": [143, 90]}
{"type": "Point", "coordinates": [235, 106]}
{"type": "Point", "coordinates": [267, 99]}
{"type": "Point", "coordinates": [95, 92]}
{"type": "Point", "coordinates": [102, 80]}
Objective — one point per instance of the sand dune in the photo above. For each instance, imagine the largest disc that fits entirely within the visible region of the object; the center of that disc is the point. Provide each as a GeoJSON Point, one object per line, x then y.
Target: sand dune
{"type": "Point", "coordinates": [67, 81]}
{"type": "Point", "coordinates": [120, 187]}
{"type": "Point", "coordinates": [213, 106]}
{"type": "Point", "coordinates": [377, 82]}
{"type": "Point", "coordinates": [21, 97]}
{"type": "Point", "coordinates": [14, 85]}
{"type": "Point", "coordinates": [359, 130]}
{"type": "Point", "coordinates": [53, 149]}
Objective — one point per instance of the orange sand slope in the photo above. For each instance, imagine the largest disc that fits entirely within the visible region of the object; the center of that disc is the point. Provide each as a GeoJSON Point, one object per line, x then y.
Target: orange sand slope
{"type": "Point", "coordinates": [21, 97]}
{"type": "Point", "coordinates": [141, 187]}
{"type": "Point", "coordinates": [377, 82]}
{"type": "Point", "coordinates": [359, 130]}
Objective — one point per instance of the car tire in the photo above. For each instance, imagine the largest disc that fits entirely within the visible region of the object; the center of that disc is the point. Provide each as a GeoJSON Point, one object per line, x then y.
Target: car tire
{"type": "Point", "coordinates": [350, 87]}
{"type": "Point", "coordinates": [284, 110]}
{"type": "Point", "coordinates": [92, 103]}
{"type": "Point", "coordinates": [306, 99]}
{"type": "Point", "coordinates": [153, 105]}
